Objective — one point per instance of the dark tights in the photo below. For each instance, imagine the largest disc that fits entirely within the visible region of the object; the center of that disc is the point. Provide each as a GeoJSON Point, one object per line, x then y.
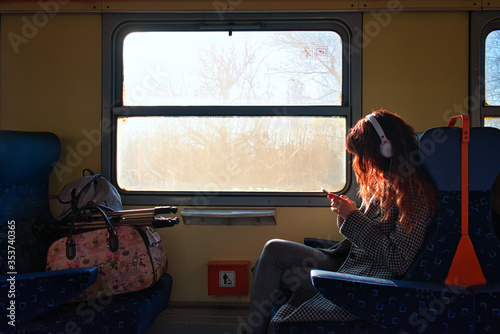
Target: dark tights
{"type": "Point", "coordinates": [283, 267]}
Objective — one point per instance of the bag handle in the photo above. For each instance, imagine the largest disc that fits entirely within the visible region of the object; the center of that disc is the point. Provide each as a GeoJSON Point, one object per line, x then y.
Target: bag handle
{"type": "Point", "coordinates": [112, 234]}
{"type": "Point", "coordinates": [90, 171]}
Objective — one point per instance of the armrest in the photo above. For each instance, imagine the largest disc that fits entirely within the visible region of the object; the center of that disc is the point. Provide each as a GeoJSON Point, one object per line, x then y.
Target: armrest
{"type": "Point", "coordinates": [485, 288]}
{"type": "Point", "coordinates": [35, 293]}
{"type": "Point", "coordinates": [395, 305]}
{"type": "Point", "coordinates": [319, 243]}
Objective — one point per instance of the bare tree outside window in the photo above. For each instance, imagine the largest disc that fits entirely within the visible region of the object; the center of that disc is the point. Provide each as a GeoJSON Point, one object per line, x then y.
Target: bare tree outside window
{"type": "Point", "coordinates": [221, 154]}
{"type": "Point", "coordinates": [492, 68]}
{"type": "Point", "coordinates": [246, 68]}
{"type": "Point", "coordinates": [275, 153]}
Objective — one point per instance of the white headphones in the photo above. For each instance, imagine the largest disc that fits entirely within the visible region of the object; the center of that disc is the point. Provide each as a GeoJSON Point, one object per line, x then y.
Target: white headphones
{"type": "Point", "coordinates": [385, 145]}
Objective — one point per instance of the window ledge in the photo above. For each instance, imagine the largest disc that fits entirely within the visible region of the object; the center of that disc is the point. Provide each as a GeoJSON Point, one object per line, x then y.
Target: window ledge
{"type": "Point", "coordinates": [229, 217]}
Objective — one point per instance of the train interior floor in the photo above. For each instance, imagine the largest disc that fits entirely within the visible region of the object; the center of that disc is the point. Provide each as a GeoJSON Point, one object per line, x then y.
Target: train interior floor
{"type": "Point", "coordinates": [201, 318]}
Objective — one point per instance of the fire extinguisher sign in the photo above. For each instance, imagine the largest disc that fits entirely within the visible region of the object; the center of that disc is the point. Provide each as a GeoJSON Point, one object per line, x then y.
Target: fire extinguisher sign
{"type": "Point", "coordinates": [227, 279]}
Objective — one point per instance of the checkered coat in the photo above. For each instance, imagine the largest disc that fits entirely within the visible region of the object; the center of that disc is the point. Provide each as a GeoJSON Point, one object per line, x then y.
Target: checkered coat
{"type": "Point", "coordinates": [374, 248]}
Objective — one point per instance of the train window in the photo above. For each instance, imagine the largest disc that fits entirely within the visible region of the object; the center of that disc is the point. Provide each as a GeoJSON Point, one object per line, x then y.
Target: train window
{"type": "Point", "coordinates": [232, 69]}
{"type": "Point", "coordinates": [492, 68]}
{"type": "Point", "coordinates": [240, 153]}
{"type": "Point", "coordinates": [492, 122]}
{"type": "Point", "coordinates": [228, 113]}
{"type": "Point", "coordinates": [484, 98]}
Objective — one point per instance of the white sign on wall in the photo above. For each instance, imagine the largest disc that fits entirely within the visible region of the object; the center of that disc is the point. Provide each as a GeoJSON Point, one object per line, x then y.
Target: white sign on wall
{"type": "Point", "coordinates": [227, 279]}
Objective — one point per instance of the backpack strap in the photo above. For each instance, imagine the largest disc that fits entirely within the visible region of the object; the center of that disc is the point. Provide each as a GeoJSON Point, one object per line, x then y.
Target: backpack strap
{"type": "Point", "coordinates": [90, 171]}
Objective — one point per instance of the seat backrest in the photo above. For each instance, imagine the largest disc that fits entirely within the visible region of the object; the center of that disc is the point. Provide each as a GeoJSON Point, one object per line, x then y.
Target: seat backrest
{"type": "Point", "coordinates": [26, 161]}
{"type": "Point", "coordinates": [484, 168]}
{"type": "Point", "coordinates": [440, 155]}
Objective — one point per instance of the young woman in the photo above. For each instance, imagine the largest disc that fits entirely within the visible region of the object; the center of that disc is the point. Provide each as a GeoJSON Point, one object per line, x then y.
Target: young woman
{"type": "Point", "coordinates": [380, 238]}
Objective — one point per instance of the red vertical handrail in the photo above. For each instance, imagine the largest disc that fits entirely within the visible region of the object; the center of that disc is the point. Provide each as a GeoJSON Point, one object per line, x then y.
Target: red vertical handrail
{"type": "Point", "coordinates": [465, 269]}
{"type": "Point", "coordinates": [464, 162]}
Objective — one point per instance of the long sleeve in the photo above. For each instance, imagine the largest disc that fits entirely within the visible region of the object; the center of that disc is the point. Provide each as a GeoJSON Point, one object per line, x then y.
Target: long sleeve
{"type": "Point", "coordinates": [386, 242]}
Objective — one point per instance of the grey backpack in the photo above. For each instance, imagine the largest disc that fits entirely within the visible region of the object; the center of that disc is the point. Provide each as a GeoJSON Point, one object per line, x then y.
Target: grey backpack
{"type": "Point", "coordinates": [92, 188]}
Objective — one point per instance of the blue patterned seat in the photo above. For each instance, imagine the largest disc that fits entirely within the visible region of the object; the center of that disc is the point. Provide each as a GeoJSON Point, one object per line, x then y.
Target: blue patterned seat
{"type": "Point", "coordinates": [421, 301]}
{"type": "Point", "coordinates": [484, 168]}
{"type": "Point", "coordinates": [42, 299]}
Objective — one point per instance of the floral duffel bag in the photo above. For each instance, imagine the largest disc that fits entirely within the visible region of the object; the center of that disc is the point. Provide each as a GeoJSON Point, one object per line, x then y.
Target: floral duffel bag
{"type": "Point", "coordinates": [129, 258]}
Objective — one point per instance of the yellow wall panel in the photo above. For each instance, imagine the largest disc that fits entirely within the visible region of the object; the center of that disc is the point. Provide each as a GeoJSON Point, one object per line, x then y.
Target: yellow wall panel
{"type": "Point", "coordinates": [421, 4]}
{"type": "Point", "coordinates": [50, 6]}
{"type": "Point", "coordinates": [416, 64]}
{"type": "Point", "coordinates": [223, 6]}
{"type": "Point", "coordinates": [50, 80]}
{"type": "Point", "coordinates": [191, 247]}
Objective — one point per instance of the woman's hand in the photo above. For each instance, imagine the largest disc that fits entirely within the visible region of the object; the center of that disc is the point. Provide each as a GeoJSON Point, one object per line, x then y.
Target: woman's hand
{"type": "Point", "coordinates": [342, 205]}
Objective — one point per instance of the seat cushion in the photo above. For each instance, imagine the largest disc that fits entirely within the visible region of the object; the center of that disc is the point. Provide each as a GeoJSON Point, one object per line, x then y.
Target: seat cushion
{"type": "Point", "coordinates": [25, 205]}
{"type": "Point", "coordinates": [433, 261]}
{"type": "Point", "coordinates": [129, 313]}
{"type": "Point", "coordinates": [487, 308]}
{"type": "Point", "coordinates": [38, 293]}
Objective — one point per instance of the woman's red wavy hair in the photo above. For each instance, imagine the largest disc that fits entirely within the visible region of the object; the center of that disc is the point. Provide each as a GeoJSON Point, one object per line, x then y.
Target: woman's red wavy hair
{"type": "Point", "coordinates": [390, 180]}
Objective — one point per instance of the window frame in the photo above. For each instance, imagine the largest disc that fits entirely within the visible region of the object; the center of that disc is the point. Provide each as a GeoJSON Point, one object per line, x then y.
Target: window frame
{"type": "Point", "coordinates": [482, 23]}
{"type": "Point", "coordinates": [117, 26]}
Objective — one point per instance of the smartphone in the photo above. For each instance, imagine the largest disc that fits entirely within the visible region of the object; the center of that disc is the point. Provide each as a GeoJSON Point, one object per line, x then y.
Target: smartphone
{"type": "Point", "coordinates": [329, 194]}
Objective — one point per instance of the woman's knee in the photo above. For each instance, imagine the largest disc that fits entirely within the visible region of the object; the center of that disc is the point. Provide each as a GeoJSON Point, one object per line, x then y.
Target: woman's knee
{"type": "Point", "coordinates": [274, 244]}
{"type": "Point", "coordinates": [274, 251]}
